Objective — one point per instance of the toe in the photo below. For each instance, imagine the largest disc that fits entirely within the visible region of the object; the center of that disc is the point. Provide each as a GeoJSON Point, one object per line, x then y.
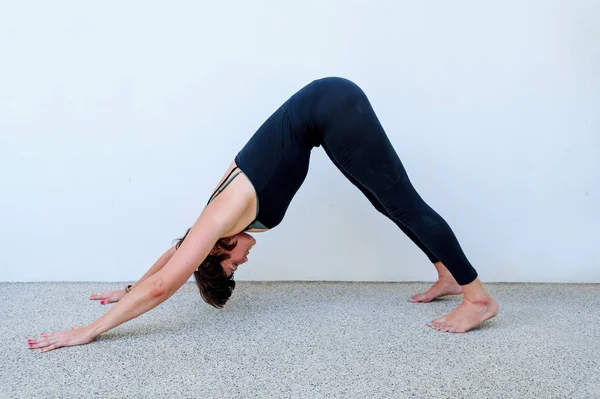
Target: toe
{"type": "Point", "coordinates": [416, 298]}
{"type": "Point", "coordinates": [439, 321]}
{"type": "Point", "coordinates": [423, 297]}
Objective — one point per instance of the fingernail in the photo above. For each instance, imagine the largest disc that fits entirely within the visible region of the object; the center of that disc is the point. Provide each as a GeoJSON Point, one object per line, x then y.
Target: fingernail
{"type": "Point", "coordinates": [450, 330]}
{"type": "Point", "coordinates": [102, 302]}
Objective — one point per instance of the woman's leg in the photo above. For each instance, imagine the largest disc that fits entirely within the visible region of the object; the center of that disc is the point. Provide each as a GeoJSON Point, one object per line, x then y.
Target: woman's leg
{"type": "Point", "coordinates": [355, 139]}
{"type": "Point", "coordinates": [357, 143]}
{"type": "Point", "coordinates": [445, 284]}
{"type": "Point", "coordinates": [377, 205]}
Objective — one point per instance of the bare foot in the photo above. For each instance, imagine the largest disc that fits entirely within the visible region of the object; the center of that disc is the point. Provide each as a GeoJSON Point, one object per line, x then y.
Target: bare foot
{"type": "Point", "coordinates": [442, 287]}
{"type": "Point", "coordinates": [467, 315]}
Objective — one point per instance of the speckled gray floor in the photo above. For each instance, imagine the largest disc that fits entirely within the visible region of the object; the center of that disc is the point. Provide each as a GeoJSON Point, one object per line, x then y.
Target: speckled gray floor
{"type": "Point", "coordinates": [305, 340]}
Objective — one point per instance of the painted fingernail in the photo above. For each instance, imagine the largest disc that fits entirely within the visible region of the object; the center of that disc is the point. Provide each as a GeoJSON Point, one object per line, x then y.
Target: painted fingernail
{"type": "Point", "coordinates": [102, 302]}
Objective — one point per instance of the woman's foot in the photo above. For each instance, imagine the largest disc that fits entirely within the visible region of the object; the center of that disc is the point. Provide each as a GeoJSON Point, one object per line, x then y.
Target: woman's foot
{"type": "Point", "coordinates": [443, 286]}
{"type": "Point", "coordinates": [446, 285]}
{"type": "Point", "coordinates": [478, 306]}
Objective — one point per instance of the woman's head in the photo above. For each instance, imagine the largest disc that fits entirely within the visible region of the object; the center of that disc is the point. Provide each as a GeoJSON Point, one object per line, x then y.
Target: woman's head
{"type": "Point", "coordinates": [236, 255]}
{"type": "Point", "coordinates": [214, 276]}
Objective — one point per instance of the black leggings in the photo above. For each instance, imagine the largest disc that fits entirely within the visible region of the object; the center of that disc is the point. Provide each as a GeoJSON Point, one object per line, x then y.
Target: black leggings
{"type": "Point", "coordinates": [357, 144]}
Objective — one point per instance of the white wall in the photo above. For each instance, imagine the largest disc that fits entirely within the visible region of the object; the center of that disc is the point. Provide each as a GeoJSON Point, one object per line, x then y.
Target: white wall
{"type": "Point", "coordinates": [118, 118]}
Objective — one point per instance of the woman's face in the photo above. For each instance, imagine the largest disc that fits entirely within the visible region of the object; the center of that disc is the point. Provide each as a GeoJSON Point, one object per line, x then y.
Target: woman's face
{"type": "Point", "coordinates": [239, 254]}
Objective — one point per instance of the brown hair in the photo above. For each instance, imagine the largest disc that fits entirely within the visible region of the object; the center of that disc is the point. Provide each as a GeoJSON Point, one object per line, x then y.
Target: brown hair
{"type": "Point", "coordinates": [214, 285]}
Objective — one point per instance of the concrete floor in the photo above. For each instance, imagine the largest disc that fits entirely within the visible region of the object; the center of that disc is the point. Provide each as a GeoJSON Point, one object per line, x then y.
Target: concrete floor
{"type": "Point", "coordinates": [305, 340]}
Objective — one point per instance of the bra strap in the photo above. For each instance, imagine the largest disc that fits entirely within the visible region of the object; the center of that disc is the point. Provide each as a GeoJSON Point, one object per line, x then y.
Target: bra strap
{"type": "Point", "coordinates": [221, 185]}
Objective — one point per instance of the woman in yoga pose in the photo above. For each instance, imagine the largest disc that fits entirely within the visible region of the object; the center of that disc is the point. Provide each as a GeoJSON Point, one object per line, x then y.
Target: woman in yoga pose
{"type": "Point", "coordinates": [256, 190]}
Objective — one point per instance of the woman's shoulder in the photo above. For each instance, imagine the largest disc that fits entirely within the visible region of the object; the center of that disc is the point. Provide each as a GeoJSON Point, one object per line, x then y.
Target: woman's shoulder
{"type": "Point", "coordinates": [235, 195]}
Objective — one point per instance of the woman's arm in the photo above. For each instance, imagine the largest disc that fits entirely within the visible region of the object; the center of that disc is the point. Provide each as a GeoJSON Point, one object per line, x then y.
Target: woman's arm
{"type": "Point", "coordinates": [115, 296]}
{"type": "Point", "coordinates": [216, 221]}
{"type": "Point", "coordinates": [148, 294]}
{"type": "Point", "coordinates": [158, 265]}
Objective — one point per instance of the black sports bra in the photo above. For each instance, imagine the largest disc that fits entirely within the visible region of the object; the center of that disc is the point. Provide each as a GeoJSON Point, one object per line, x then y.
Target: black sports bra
{"type": "Point", "coordinates": [255, 224]}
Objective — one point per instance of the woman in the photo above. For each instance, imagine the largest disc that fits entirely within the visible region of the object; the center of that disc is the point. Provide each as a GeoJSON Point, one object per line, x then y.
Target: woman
{"type": "Point", "coordinates": [256, 190]}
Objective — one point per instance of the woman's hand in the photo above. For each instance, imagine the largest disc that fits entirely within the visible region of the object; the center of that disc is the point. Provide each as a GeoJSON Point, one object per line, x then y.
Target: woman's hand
{"type": "Point", "coordinates": [48, 342]}
{"type": "Point", "coordinates": [108, 297]}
